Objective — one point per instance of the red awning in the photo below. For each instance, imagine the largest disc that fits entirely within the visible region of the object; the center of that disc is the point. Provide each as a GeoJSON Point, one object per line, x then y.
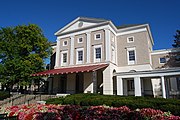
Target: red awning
{"type": "Point", "coordinates": [71, 70]}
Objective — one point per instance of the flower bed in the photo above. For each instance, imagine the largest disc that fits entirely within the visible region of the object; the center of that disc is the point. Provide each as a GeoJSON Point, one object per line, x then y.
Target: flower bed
{"type": "Point", "coordinates": [75, 112]}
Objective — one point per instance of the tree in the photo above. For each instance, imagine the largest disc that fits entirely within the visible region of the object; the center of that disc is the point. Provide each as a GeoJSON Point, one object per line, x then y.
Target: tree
{"type": "Point", "coordinates": [22, 53]}
{"type": "Point", "coordinates": [177, 39]}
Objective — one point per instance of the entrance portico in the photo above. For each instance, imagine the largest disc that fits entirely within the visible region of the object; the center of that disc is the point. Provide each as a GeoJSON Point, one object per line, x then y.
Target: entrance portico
{"type": "Point", "coordinates": [147, 82]}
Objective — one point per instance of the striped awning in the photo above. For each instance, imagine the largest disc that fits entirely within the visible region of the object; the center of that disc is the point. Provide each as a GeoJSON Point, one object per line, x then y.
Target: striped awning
{"type": "Point", "coordinates": [67, 70]}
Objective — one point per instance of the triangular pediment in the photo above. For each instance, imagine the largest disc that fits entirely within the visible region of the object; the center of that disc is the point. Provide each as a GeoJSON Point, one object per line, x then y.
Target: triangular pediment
{"type": "Point", "coordinates": [80, 23]}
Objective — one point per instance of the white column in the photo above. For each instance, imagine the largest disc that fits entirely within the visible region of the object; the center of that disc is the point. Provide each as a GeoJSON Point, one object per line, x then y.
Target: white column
{"type": "Point", "coordinates": [88, 46]}
{"type": "Point", "coordinates": [72, 51]}
{"type": "Point", "coordinates": [163, 87]}
{"type": "Point", "coordinates": [108, 44]}
{"type": "Point", "coordinates": [137, 86]}
{"type": "Point", "coordinates": [57, 63]}
{"type": "Point", "coordinates": [119, 86]}
{"type": "Point", "coordinates": [94, 81]}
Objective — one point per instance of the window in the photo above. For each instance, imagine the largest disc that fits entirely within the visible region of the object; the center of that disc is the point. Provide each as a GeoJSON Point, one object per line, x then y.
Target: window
{"type": "Point", "coordinates": [65, 43]}
{"type": "Point", "coordinates": [97, 53]}
{"type": "Point", "coordinates": [80, 40]}
{"type": "Point", "coordinates": [79, 55]}
{"type": "Point", "coordinates": [131, 55]}
{"type": "Point", "coordinates": [97, 36]}
{"type": "Point", "coordinates": [162, 60]}
{"type": "Point", "coordinates": [64, 57]}
{"type": "Point", "coordinates": [131, 85]}
{"type": "Point", "coordinates": [130, 39]}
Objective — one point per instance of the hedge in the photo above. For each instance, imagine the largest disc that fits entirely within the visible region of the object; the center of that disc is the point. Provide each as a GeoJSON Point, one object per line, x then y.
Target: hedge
{"type": "Point", "coordinates": [172, 105]}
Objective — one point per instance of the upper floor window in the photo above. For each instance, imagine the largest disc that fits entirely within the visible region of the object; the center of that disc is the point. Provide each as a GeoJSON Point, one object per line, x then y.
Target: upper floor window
{"type": "Point", "coordinates": [97, 53]}
{"type": "Point", "coordinates": [79, 56]}
{"type": "Point", "coordinates": [64, 58]}
{"type": "Point", "coordinates": [80, 40]}
{"type": "Point", "coordinates": [97, 36]}
{"type": "Point", "coordinates": [130, 39]}
{"type": "Point", "coordinates": [162, 60]}
{"type": "Point", "coordinates": [131, 56]}
{"type": "Point", "coordinates": [65, 43]}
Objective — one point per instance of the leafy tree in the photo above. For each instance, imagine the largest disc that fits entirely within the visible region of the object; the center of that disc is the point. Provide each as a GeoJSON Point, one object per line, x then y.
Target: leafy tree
{"type": "Point", "coordinates": [177, 39]}
{"type": "Point", "coordinates": [22, 53]}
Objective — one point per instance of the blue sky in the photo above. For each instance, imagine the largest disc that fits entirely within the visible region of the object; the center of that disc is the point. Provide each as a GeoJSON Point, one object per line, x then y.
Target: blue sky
{"type": "Point", "coordinates": [51, 15]}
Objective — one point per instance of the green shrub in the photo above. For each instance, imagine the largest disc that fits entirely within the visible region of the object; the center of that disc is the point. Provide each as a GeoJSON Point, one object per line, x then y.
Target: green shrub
{"type": "Point", "coordinates": [4, 95]}
{"type": "Point", "coordinates": [172, 105]}
{"type": "Point", "coordinates": [55, 101]}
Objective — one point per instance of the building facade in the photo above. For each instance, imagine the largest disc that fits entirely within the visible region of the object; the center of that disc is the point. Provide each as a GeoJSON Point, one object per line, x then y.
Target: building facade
{"type": "Point", "coordinates": [95, 56]}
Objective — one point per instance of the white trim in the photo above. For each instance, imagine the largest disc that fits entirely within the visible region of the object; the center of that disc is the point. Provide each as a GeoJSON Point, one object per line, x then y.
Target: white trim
{"type": "Point", "coordinates": [65, 41]}
{"type": "Point", "coordinates": [96, 35]}
{"type": "Point", "coordinates": [108, 45]}
{"type": "Point", "coordinates": [94, 49]}
{"type": "Point", "coordinates": [79, 19]}
{"type": "Point", "coordinates": [84, 31]}
{"type": "Point", "coordinates": [113, 58]}
{"type": "Point", "coordinates": [137, 86]}
{"type": "Point", "coordinates": [119, 85]}
{"type": "Point", "coordinates": [77, 50]}
{"type": "Point", "coordinates": [88, 46]}
{"type": "Point", "coordinates": [78, 40]}
{"type": "Point", "coordinates": [163, 87]}
{"type": "Point", "coordinates": [116, 50]}
{"type": "Point", "coordinates": [57, 62]}
{"type": "Point", "coordinates": [131, 62]}
{"type": "Point", "coordinates": [130, 41]}
{"type": "Point", "coordinates": [64, 64]}
{"type": "Point", "coordinates": [132, 31]}
{"type": "Point", "coordinates": [72, 51]}
{"type": "Point", "coordinates": [164, 51]}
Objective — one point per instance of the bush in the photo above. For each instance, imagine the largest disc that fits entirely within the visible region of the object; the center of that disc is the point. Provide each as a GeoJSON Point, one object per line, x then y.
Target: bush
{"type": "Point", "coordinates": [4, 95]}
{"type": "Point", "coordinates": [172, 105]}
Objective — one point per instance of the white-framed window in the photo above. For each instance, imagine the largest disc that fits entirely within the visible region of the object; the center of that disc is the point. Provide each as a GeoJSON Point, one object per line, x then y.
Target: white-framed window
{"type": "Point", "coordinates": [97, 36]}
{"type": "Point", "coordinates": [130, 39]}
{"type": "Point", "coordinates": [130, 85]}
{"type": "Point", "coordinates": [131, 55]}
{"type": "Point", "coordinates": [162, 60]}
{"type": "Point", "coordinates": [97, 53]}
{"type": "Point", "coordinates": [64, 58]}
{"type": "Point", "coordinates": [80, 40]}
{"type": "Point", "coordinates": [65, 43]}
{"type": "Point", "coordinates": [79, 55]}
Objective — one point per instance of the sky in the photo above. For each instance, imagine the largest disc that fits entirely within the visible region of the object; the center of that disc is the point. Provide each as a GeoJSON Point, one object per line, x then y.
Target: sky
{"type": "Point", "coordinates": [163, 16]}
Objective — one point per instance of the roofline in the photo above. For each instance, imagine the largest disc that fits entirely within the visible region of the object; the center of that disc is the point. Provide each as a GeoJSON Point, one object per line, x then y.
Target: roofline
{"type": "Point", "coordinates": [164, 51]}
{"type": "Point", "coordinates": [136, 27]}
{"type": "Point", "coordinates": [93, 26]}
{"type": "Point", "coordinates": [166, 70]}
{"type": "Point", "coordinates": [105, 22]}
{"type": "Point", "coordinates": [77, 19]}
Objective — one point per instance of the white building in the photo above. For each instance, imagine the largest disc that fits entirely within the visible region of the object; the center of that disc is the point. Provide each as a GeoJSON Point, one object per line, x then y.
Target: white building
{"type": "Point", "coordinates": [94, 56]}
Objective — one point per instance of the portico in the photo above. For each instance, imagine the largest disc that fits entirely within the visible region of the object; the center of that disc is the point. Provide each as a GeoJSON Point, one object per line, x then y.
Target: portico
{"type": "Point", "coordinates": [152, 82]}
